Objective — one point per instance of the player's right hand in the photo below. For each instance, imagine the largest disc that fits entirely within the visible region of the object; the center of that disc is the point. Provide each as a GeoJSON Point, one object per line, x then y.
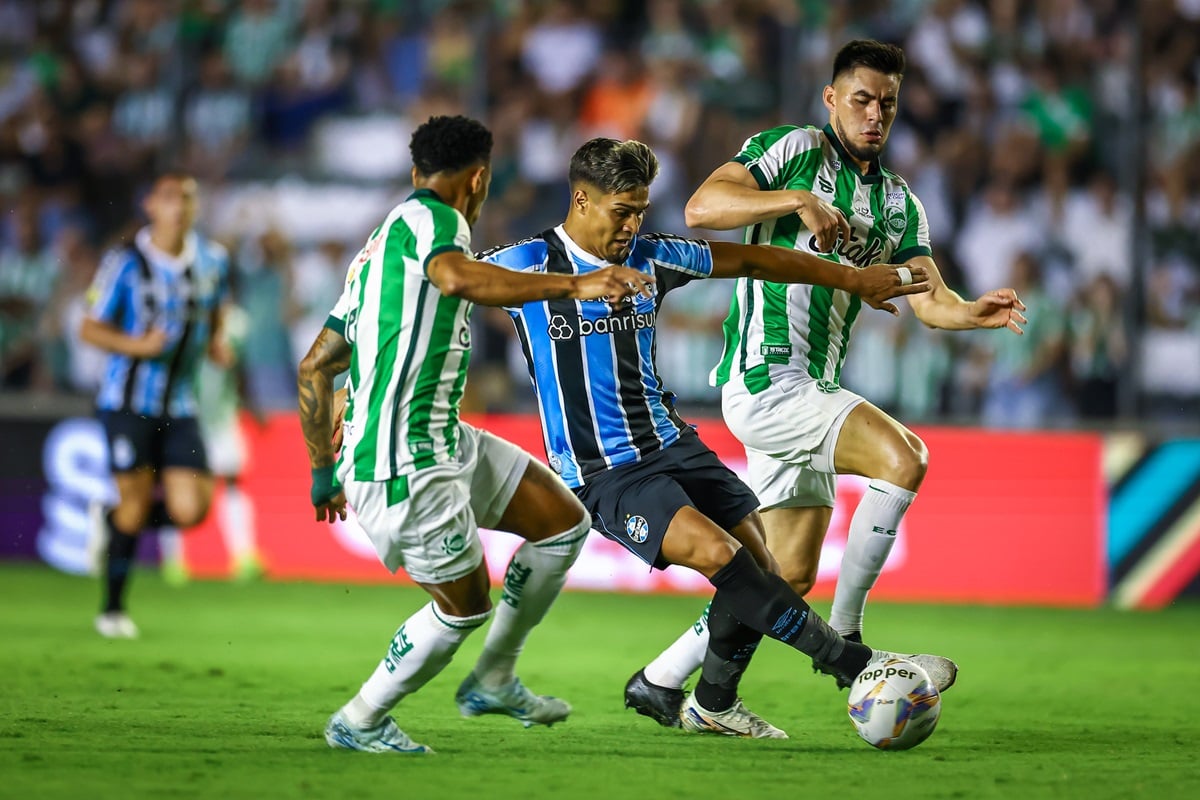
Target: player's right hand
{"type": "Point", "coordinates": [879, 283]}
{"type": "Point", "coordinates": [826, 223]}
{"type": "Point", "coordinates": [150, 344]}
{"type": "Point", "coordinates": [614, 284]}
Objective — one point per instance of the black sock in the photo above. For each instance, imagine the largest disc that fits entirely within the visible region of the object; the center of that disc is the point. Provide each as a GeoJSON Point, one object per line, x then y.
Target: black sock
{"type": "Point", "coordinates": [731, 644]}
{"type": "Point", "coordinates": [765, 602]}
{"type": "Point", "coordinates": [159, 518]}
{"type": "Point", "coordinates": [122, 550]}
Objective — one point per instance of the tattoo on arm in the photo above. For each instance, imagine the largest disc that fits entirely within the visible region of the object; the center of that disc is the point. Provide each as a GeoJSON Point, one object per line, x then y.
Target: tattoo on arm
{"type": "Point", "coordinates": [328, 357]}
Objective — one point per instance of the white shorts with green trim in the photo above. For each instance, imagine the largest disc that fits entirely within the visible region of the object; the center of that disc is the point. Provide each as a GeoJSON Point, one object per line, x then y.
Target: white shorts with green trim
{"type": "Point", "coordinates": [789, 428]}
{"type": "Point", "coordinates": [426, 522]}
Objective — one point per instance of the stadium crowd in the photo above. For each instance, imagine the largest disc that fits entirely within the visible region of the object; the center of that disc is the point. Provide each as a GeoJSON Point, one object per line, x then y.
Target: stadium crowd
{"type": "Point", "coordinates": [1024, 127]}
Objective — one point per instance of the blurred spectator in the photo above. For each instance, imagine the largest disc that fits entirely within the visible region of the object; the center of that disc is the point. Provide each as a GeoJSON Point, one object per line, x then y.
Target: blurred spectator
{"type": "Point", "coordinates": [257, 39]}
{"type": "Point", "coordinates": [1024, 387]}
{"type": "Point", "coordinates": [561, 48]}
{"type": "Point", "coordinates": [264, 287]}
{"type": "Point", "coordinates": [1099, 348]}
{"type": "Point", "coordinates": [28, 273]}
{"type": "Point", "coordinates": [1097, 224]}
{"type": "Point", "coordinates": [995, 232]}
{"type": "Point", "coordinates": [216, 119]}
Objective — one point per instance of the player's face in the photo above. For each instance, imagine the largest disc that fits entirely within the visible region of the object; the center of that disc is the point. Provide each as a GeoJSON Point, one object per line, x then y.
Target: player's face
{"type": "Point", "coordinates": [613, 220]}
{"type": "Point", "coordinates": [862, 108]}
{"type": "Point", "coordinates": [171, 206]}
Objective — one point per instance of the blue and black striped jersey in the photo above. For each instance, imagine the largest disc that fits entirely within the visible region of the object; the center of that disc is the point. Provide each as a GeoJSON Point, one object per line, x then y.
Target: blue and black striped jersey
{"type": "Point", "coordinates": [601, 400]}
{"type": "Point", "coordinates": [138, 288]}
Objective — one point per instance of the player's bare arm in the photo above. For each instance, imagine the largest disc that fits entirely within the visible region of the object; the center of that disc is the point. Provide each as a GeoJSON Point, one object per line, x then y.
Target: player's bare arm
{"type": "Point", "coordinates": [150, 344]}
{"type": "Point", "coordinates": [219, 351]}
{"type": "Point", "coordinates": [875, 284]}
{"type": "Point", "coordinates": [730, 198]}
{"type": "Point", "coordinates": [942, 307]}
{"type": "Point", "coordinates": [485, 284]}
{"type": "Point", "coordinates": [328, 356]}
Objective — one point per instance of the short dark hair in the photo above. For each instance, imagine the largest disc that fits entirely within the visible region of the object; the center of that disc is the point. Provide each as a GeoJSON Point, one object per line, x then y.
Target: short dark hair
{"type": "Point", "coordinates": [448, 144]}
{"type": "Point", "coordinates": [885, 58]}
{"type": "Point", "coordinates": [614, 166]}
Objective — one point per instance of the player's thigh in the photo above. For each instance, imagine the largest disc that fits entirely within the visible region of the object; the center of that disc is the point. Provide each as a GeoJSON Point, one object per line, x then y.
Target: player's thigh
{"type": "Point", "coordinates": [873, 444]}
{"type": "Point", "coordinates": [187, 494]}
{"type": "Point", "coordinates": [421, 522]}
{"type": "Point", "coordinates": [135, 496]}
{"type": "Point", "coordinates": [186, 480]}
{"type": "Point", "coordinates": [634, 507]}
{"type": "Point", "coordinates": [794, 536]}
{"type": "Point", "coordinates": [693, 540]}
{"type": "Point", "coordinates": [512, 491]}
{"type": "Point", "coordinates": [789, 419]}
{"type": "Point", "coordinates": [714, 489]}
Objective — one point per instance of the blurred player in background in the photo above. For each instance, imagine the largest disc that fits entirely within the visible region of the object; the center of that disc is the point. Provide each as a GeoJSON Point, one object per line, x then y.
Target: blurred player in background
{"type": "Point", "coordinates": [155, 306]}
{"type": "Point", "coordinates": [418, 478]}
{"type": "Point", "coordinates": [221, 394]}
{"type": "Point", "coordinates": [613, 434]}
{"type": "Point", "coordinates": [824, 192]}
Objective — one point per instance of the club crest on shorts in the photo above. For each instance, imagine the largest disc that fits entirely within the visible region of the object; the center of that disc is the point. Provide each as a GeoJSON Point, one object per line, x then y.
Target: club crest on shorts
{"type": "Point", "coordinates": [636, 528]}
{"type": "Point", "coordinates": [122, 452]}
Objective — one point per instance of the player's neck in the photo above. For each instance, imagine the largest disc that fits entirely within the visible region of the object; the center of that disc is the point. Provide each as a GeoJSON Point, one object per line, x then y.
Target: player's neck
{"type": "Point", "coordinates": [168, 242]}
{"type": "Point", "coordinates": [455, 194]}
{"type": "Point", "coordinates": [579, 237]}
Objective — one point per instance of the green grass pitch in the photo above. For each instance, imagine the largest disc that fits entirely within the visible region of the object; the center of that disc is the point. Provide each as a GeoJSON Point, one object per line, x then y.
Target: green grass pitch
{"type": "Point", "coordinates": [226, 693]}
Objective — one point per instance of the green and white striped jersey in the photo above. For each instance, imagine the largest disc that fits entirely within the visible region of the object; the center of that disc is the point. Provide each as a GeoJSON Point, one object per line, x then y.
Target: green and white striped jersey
{"type": "Point", "coordinates": [809, 326]}
{"type": "Point", "coordinates": [411, 344]}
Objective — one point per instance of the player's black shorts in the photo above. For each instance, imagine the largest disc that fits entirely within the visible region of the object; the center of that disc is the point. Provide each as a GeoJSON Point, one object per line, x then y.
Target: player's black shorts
{"type": "Point", "coordinates": [634, 504]}
{"type": "Point", "coordinates": [135, 441]}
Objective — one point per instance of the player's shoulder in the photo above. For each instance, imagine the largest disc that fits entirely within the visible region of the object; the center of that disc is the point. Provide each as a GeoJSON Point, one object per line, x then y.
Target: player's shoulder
{"type": "Point", "coordinates": [521, 254]}
{"type": "Point", "coordinates": [120, 258]}
{"type": "Point", "coordinates": [657, 242]}
{"type": "Point", "coordinates": [802, 137]}
{"type": "Point", "coordinates": [211, 248]}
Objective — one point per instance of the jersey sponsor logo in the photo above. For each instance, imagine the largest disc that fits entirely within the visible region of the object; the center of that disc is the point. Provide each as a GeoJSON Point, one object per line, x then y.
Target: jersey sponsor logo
{"type": "Point", "coordinates": [895, 198]}
{"type": "Point", "coordinates": [418, 447]}
{"type": "Point", "coordinates": [855, 251]}
{"type": "Point", "coordinates": [825, 185]}
{"type": "Point", "coordinates": [775, 350]}
{"type": "Point", "coordinates": [636, 528]}
{"type": "Point", "coordinates": [555, 462]}
{"type": "Point", "coordinates": [560, 329]}
{"type": "Point", "coordinates": [827, 387]}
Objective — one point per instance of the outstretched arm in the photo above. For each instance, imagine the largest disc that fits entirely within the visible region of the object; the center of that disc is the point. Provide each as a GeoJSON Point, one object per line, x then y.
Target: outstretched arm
{"type": "Point", "coordinates": [942, 307]}
{"type": "Point", "coordinates": [875, 284]}
{"type": "Point", "coordinates": [328, 357]}
{"type": "Point", "coordinates": [457, 275]}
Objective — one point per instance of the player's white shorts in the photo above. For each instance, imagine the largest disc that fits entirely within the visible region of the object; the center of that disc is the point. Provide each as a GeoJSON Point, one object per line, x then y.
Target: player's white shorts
{"type": "Point", "coordinates": [426, 522]}
{"type": "Point", "coordinates": [226, 449]}
{"type": "Point", "coordinates": [789, 430]}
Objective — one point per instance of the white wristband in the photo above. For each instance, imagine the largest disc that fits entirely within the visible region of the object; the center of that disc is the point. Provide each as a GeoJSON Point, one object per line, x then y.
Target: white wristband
{"type": "Point", "coordinates": [905, 275]}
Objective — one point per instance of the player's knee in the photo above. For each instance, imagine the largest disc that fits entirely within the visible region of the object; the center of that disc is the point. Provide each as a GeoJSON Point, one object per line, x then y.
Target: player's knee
{"type": "Point", "coordinates": [801, 577]}
{"type": "Point", "coordinates": [905, 465]}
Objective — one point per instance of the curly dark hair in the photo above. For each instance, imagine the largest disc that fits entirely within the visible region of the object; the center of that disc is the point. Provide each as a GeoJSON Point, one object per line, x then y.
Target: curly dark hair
{"type": "Point", "coordinates": [448, 144]}
{"type": "Point", "coordinates": [614, 166]}
{"type": "Point", "coordinates": [881, 57]}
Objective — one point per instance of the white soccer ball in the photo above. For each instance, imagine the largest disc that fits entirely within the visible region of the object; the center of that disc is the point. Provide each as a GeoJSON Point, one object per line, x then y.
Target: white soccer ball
{"type": "Point", "coordinates": [894, 705]}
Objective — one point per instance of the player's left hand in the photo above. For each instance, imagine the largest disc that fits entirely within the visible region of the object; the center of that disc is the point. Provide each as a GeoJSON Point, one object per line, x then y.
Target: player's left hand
{"type": "Point", "coordinates": [1000, 308]}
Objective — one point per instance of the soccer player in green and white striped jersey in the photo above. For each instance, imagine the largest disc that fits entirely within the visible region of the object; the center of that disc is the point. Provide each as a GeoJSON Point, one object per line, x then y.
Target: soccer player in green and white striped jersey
{"type": "Point", "coordinates": [419, 479]}
{"type": "Point", "coordinates": [824, 191]}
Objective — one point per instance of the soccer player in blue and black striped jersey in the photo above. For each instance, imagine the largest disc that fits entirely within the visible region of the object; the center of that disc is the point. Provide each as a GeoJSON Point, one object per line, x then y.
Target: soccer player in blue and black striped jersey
{"type": "Point", "coordinates": [613, 434]}
{"type": "Point", "coordinates": [155, 306]}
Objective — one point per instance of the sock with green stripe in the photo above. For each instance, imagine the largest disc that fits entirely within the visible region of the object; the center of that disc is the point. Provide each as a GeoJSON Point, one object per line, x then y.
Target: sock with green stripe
{"type": "Point", "coordinates": [870, 539]}
{"type": "Point", "coordinates": [421, 648]}
{"type": "Point", "coordinates": [534, 577]}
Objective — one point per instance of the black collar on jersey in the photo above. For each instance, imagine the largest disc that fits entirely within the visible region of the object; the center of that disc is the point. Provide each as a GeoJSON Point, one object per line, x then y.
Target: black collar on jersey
{"type": "Point", "coordinates": [873, 174]}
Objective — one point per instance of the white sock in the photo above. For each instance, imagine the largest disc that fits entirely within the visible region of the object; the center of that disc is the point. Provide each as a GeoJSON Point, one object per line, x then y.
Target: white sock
{"type": "Point", "coordinates": [170, 545]}
{"type": "Point", "coordinates": [421, 648]}
{"type": "Point", "coordinates": [237, 524]}
{"type": "Point", "coordinates": [872, 535]}
{"type": "Point", "coordinates": [534, 577]}
{"type": "Point", "coordinates": [675, 664]}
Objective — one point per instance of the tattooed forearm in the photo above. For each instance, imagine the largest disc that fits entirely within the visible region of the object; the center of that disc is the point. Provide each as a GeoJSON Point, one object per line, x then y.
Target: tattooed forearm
{"type": "Point", "coordinates": [329, 356]}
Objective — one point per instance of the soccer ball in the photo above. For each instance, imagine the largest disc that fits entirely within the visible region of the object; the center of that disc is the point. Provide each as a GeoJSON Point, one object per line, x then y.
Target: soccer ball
{"type": "Point", "coordinates": [894, 705]}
